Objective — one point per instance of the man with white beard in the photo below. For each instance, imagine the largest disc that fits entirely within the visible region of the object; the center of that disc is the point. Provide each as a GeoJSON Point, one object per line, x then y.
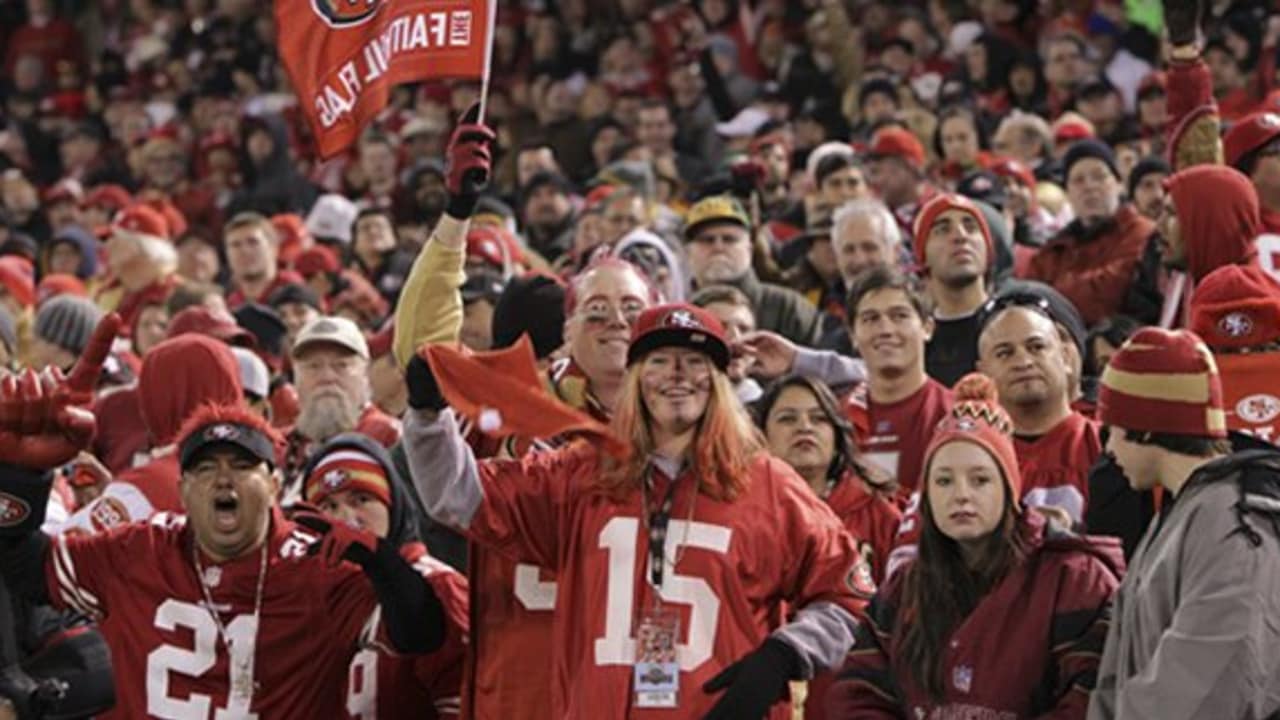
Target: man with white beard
{"type": "Point", "coordinates": [331, 373]}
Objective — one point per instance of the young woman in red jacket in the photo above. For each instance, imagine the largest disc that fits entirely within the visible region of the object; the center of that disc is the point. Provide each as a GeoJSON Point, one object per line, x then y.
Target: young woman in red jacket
{"type": "Point", "coordinates": [1000, 615]}
{"type": "Point", "coordinates": [804, 426]}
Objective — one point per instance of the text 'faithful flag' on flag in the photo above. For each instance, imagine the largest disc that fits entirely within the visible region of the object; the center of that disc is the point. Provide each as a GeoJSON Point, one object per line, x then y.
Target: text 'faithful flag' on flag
{"type": "Point", "coordinates": [344, 56]}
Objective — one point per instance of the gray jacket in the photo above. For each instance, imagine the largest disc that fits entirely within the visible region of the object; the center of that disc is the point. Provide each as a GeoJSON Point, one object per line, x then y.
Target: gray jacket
{"type": "Point", "coordinates": [1196, 623]}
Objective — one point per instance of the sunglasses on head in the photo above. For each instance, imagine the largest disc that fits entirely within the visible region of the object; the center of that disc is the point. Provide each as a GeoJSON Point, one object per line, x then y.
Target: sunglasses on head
{"type": "Point", "coordinates": [1016, 299]}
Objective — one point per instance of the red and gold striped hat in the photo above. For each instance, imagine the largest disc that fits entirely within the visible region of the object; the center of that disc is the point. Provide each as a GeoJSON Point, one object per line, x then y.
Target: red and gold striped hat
{"type": "Point", "coordinates": [1166, 382]}
{"type": "Point", "coordinates": [347, 469]}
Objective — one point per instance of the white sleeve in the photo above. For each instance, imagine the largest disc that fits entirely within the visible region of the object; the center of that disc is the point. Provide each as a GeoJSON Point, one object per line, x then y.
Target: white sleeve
{"type": "Point", "coordinates": [119, 504]}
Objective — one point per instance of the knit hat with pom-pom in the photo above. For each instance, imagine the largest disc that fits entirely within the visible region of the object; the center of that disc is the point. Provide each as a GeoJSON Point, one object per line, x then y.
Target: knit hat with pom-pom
{"type": "Point", "coordinates": [976, 417]}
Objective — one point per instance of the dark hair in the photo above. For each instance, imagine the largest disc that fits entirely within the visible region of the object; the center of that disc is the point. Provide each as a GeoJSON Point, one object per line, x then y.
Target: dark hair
{"type": "Point", "coordinates": [189, 294]}
{"type": "Point", "coordinates": [939, 591]}
{"type": "Point", "coordinates": [1193, 445]}
{"type": "Point", "coordinates": [832, 164]}
{"type": "Point", "coordinates": [374, 212]}
{"type": "Point", "coordinates": [727, 294]}
{"type": "Point", "coordinates": [1115, 330]}
{"type": "Point", "coordinates": [957, 111]}
{"type": "Point", "coordinates": [845, 456]}
{"type": "Point", "coordinates": [883, 277]}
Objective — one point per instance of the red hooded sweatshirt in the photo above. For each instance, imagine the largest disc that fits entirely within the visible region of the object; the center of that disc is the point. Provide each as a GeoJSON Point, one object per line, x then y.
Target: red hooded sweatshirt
{"type": "Point", "coordinates": [1218, 216]}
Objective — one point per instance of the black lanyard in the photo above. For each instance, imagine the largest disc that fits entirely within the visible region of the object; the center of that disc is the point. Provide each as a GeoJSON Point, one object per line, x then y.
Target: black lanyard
{"type": "Point", "coordinates": [658, 520]}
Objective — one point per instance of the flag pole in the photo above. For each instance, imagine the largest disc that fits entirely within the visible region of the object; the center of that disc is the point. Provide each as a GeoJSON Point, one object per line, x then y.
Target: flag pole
{"type": "Point", "coordinates": [491, 21]}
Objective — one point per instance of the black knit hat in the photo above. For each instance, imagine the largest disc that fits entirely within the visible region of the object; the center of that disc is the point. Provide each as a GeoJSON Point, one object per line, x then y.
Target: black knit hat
{"type": "Point", "coordinates": [1089, 148]}
{"type": "Point", "coordinates": [1146, 166]}
{"type": "Point", "coordinates": [533, 304]}
{"type": "Point", "coordinates": [295, 293]}
{"type": "Point", "coordinates": [67, 321]}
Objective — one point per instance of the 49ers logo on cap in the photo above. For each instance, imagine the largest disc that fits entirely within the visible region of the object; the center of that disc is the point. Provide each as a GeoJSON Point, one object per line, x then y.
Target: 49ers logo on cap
{"type": "Point", "coordinates": [222, 432]}
{"type": "Point", "coordinates": [334, 479]}
{"type": "Point", "coordinates": [346, 13]}
{"type": "Point", "coordinates": [683, 318]}
{"type": "Point", "coordinates": [1236, 324]}
{"type": "Point", "coordinates": [13, 510]}
{"type": "Point", "coordinates": [1269, 120]}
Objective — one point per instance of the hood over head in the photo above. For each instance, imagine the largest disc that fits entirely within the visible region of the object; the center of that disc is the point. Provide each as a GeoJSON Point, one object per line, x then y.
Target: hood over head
{"type": "Point", "coordinates": [1218, 215]}
{"type": "Point", "coordinates": [181, 374]}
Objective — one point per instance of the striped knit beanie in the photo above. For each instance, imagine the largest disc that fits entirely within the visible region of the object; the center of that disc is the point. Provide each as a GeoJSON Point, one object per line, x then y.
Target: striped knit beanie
{"type": "Point", "coordinates": [67, 322]}
{"type": "Point", "coordinates": [976, 417]}
{"type": "Point", "coordinates": [1165, 382]}
{"type": "Point", "coordinates": [347, 469]}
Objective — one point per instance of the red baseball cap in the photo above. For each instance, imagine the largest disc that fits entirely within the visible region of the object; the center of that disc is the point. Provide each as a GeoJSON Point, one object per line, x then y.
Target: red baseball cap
{"type": "Point", "coordinates": [900, 143]}
{"type": "Point", "coordinates": [110, 196]}
{"type": "Point", "coordinates": [679, 325]}
{"type": "Point", "coordinates": [1248, 135]}
{"type": "Point", "coordinates": [17, 277]}
{"type": "Point", "coordinates": [141, 219]}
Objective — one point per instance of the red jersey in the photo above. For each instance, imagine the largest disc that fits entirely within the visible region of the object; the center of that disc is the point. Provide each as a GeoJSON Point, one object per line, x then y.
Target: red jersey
{"type": "Point", "coordinates": [236, 297]}
{"type": "Point", "coordinates": [511, 602]}
{"type": "Point", "coordinates": [1055, 466]}
{"type": "Point", "coordinates": [383, 686]}
{"type": "Point", "coordinates": [894, 435]}
{"type": "Point", "coordinates": [724, 575]}
{"type": "Point", "coordinates": [873, 522]}
{"type": "Point", "coordinates": [170, 657]}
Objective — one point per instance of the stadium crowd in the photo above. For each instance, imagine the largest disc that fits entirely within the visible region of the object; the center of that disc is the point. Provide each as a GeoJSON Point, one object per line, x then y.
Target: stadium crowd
{"type": "Point", "coordinates": [747, 359]}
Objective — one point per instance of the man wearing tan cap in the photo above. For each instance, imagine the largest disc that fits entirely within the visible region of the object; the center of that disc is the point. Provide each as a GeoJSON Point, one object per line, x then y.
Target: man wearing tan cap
{"type": "Point", "coordinates": [331, 372]}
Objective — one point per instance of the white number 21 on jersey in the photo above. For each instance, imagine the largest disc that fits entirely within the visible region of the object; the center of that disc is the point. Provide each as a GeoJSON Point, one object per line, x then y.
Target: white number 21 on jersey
{"type": "Point", "coordinates": [195, 662]}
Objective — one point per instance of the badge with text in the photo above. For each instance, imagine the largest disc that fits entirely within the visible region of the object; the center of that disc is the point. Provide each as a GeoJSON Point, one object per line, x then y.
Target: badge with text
{"type": "Point", "coordinates": [657, 674]}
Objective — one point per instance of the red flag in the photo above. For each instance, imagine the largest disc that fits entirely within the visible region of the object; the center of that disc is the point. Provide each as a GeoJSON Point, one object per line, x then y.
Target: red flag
{"type": "Point", "coordinates": [344, 56]}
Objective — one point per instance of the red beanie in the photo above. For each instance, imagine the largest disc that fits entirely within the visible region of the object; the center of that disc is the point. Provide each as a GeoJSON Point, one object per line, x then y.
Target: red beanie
{"type": "Point", "coordinates": [935, 207]}
{"type": "Point", "coordinates": [1236, 306]}
{"type": "Point", "coordinates": [976, 417]}
{"type": "Point", "coordinates": [1218, 216]}
{"type": "Point", "coordinates": [347, 469]}
{"type": "Point", "coordinates": [1163, 381]}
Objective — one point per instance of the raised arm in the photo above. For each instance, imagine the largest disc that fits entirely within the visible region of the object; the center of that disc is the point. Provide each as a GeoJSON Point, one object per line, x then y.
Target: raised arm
{"type": "Point", "coordinates": [430, 308]}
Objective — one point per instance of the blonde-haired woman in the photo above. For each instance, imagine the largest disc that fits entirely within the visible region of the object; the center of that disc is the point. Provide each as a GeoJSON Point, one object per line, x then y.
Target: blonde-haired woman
{"type": "Point", "coordinates": [676, 565]}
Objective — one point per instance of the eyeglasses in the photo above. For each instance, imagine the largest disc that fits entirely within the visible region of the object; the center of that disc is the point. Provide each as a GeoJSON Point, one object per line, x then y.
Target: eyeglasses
{"type": "Point", "coordinates": [1014, 299]}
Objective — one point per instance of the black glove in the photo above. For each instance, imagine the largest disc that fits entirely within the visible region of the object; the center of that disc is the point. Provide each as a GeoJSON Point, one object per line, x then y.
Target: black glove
{"type": "Point", "coordinates": [467, 163]}
{"type": "Point", "coordinates": [424, 392]}
{"type": "Point", "coordinates": [339, 541]}
{"type": "Point", "coordinates": [1182, 19]}
{"type": "Point", "coordinates": [20, 690]}
{"type": "Point", "coordinates": [754, 683]}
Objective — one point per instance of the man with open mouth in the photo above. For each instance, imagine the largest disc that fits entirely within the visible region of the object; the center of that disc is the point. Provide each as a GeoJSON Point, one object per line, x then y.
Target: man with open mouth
{"type": "Point", "coordinates": [188, 604]}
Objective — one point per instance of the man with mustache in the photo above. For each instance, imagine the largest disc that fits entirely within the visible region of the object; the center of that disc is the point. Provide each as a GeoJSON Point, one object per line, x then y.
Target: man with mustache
{"type": "Point", "coordinates": [331, 372]}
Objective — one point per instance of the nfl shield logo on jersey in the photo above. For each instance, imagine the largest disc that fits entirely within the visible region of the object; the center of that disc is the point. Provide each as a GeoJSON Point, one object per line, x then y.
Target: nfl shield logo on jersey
{"type": "Point", "coordinates": [962, 678]}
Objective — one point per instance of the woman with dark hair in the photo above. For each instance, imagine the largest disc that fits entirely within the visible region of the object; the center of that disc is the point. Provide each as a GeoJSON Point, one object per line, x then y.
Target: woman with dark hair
{"type": "Point", "coordinates": [677, 564]}
{"type": "Point", "coordinates": [986, 66]}
{"type": "Point", "coordinates": [1028, 91]}
{"type": "Point", "coordinates": [803, 425]}
{"type": "Point", "coordinates": [961, 142]}
{"type": "Point", "coordinates": [1001, 614]}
